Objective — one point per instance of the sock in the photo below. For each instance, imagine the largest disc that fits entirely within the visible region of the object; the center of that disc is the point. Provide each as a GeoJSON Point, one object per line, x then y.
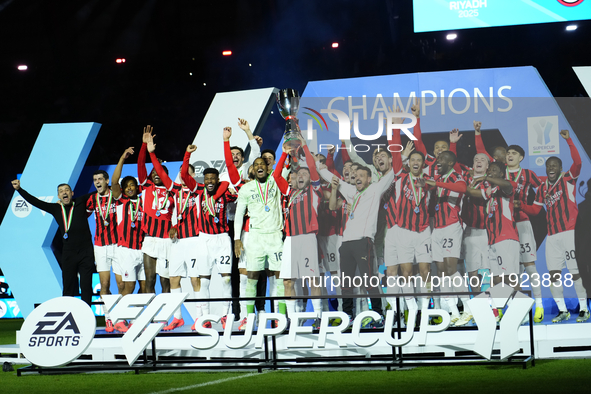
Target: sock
{"type": "Point", "coordinates": [178, 314]}
{"type": "Point", "coordinates": [317, 305]}
{"type": "Point", "coordinates": [463, 288]}
{"type": "Point", "coordinates": [272, 288]}
{"type": "Point", "coordinates": [280, 292]}
{"type": "Point", "coordinates": [536, 290]}
{"type": "Point", "coordinates": [392, 289]}
{"type": "Point", "coordinates": [205, 294]}
{"type": "Point", "coordinates": [250, 291]}
{"type": "Point", "coordinates": [226, 293]}
{"type": "Point", "coordinates": [410, 300]}
{"type": "Point", "coordinates": [423, 288]}
{"type": "Point", "coordinates": [198, 311]}
{"type": "Point", "coordinates": [324, 302]}
{"type": "Point", "coordinates": [290, 306]}
{"type": "Point", "coordinates": [558, 295]}
{"type": "Point", "coordinates": [450, 300]}
{"type": "Point", "coordinates": [107, 316]}
{"type": "Point", "coordinates": [243, 280]}
{"type": "Point", "coordinates": [581, 294]}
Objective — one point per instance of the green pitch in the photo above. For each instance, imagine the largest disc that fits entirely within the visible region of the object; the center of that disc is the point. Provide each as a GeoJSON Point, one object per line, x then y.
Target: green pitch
{"type": "Point", "coordinates": [548, 376]}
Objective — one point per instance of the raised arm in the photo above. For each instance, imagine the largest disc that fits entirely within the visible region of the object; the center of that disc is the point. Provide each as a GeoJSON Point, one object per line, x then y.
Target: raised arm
{"type": "Point", "coordinates": [188, 179]}
{"type": "Point", "coordinates": [115, 187]}
{"type": "Point", "coordinates": [416, 111]}
{"type": "Point", "coordinates": [478, 141]}
{"type": "Point", "coordinates": [333, 203]}
{"type": "Point", "coordinates": [575, 168]}
{"type": "Point", "coordinates": [454, 137]}
{"type": "Point", "coordinates": [281, 182]}
{"type": "Point", "coordinates": [142, 174]}
{"type": "Point", "coordinates": [158, 167]}
{"type": "Point", "coordinates": [232, 171]}
{"type": "Point", "coordinates": [34, 201]}
{"type": "Point", "coordinates": [458, 186]}
{"type": "Point", "coordinates": [255, 148]}
{"type": "Point", "coordinates": [505, 185]}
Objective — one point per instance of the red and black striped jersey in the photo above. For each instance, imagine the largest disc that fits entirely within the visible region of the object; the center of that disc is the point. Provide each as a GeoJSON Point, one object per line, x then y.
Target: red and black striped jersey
{"type": "Point", "coordinates": [302, 217]}
{"type": "Point", "coordinates": [388, 203]}
{"type": "Point", "coordinates": [213, 218]}
{"type": "Point", "coordinates": [407, 203]}
{"type": "Point", "coordinates": [500, 223]}
{"type": "Point", "coordinates": [473, 209]}
{"type": "Point", "coordinates": [129, 222]}
{"type": "Point", "coordinates": [524, 179]}
{"type": "Point", "coordinates": [157, 199]}
{"type": "Point", "coordinates": [327, 220]}
{"type": "Point", "coordinates": [448, 203]}
{"type": "Point", "coordinates": [285, 206]}
{"type": "Point", "coordinates": [188, 211]}
{"type": "Point", "coordinates": [105, 216]}
{"type": "Point", "coordinates": [561, 203]}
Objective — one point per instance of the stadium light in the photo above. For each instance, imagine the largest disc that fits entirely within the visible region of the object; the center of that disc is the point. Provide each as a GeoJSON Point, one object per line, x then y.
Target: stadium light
{"type": "Point", "coordinates": [452, 36]}
{"type": "Point", "coordinates": [335, 44]}
{"type": "Point", "coordinates": [22, 67]}
{"type": "Point", "coordinates": [571, 27]}
{"type": "Point", "coordinates": [226, 53]}
{"type": "Point", "coordinates": [120, 60]}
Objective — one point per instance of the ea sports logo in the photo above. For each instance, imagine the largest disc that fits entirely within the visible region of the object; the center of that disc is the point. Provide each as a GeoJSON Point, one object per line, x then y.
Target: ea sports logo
{"type": "Point", "coordinates": [57, 332]}
{"type": "Point", "coordinates": [570, 3]}
{"type": "Point", "coordinates": [20, 207]}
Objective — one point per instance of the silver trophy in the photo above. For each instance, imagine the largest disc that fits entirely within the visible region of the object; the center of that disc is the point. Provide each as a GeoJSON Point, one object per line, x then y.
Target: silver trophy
{"type": "Point", "coordinates": [288, 102]}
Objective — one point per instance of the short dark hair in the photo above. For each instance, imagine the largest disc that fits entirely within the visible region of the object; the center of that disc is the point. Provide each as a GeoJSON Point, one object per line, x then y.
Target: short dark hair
{"type": "Point", "coordinates": [63, 184]}
{"type": "Point", "coordinates": [348, 161]}
{"type": "Point", "coordinates": [322, 158]}
{"type": "Point", "coordinates": [364, 168]}
{"type": "Point", "coordinates": [516, 148]}
{"type": "Point", "coordinates": [165, 169]}
{"type": "Point", "coordinates": [101, 172]}
{"type": "Point", "coordinates": [500, 166]}
{"type": "Point", "coordinates": [303, 168]}
{"type": "Point", "coordinates": [192, 167]}
{"type": "Point", "coordinates": [238, 148]}
{"type": "Point", "coordinates": [211, 170]}
{"type": "Point", "coordinates": [268, 151]}
{"type": "Point", "coordinates": [555, 158]}
{"type": "Point", "coordinates": [128, 179]}
{"type": "Point", "coordinates": [378, 150]}
{"type": "Point", "coordinates": [450, 155]}
{"type": "Point", "coordinates": [416, 152]}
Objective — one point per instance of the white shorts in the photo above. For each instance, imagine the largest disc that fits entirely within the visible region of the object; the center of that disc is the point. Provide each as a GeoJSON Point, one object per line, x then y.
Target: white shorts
{"type": "Point", "coordinates": [130, 264]}
{"type": "Point", "coordinates": [183, 257]}
{"type": "Point", "coordinates": [527, 242]}
{"type": "Point", "coordinates": [104, 257]}
{"type": "Point", "coordinates": [242, 259]}
{"type": "Point", "coordinates": [413, 245]}
{"type": "Point", "coordinates": [157, 248]}
{"type": "Point", "coordinates": [447, 242]}
{"type": "Point", "coordinates": [475, 249]}
{"type": "Point", "coordinates": [300, 257]}
{"type": "Point", "coordinates": [264, 248]}
{"type": "Point", "coordinates": [215, 249]}
{"type": "Point", "coordinates": [329, 246]}
{"type": "Point", "coordinates": [390, 246]}
{"type": "Point", "coordinates": [504, 258]}
{"type": "Point", "coordinates": [162, 268]}
{"type": "Point", "coordinates": [560, 252]}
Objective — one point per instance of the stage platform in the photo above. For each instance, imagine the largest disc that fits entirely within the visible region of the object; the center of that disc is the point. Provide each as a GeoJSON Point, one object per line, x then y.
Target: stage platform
{"type": "Point", "coordinates": [175, 349]}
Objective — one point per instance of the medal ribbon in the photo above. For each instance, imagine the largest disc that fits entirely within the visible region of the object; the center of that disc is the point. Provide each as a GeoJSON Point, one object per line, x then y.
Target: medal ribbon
{"type": "Point", "coordinates": [98, 204]}
{"type": "Point", "coordinates": [156, 203]}
{"type": "Point", "coordinates": [295, 195]}
{"type": "Point", "coordinates": [134, 208]}
{"type": "Point", "coordinates": [356, 200]}
{"type": "Point", "coordinates": [419, 196]}
{"type": "Point", "coordinates": [209, 203]}
{"type": "Point", "coordinates": [509, 176]}
{"type": "Point", "coordinates": [260, 190]}
{"type": "Point", "coordinates": [68, 220]}
{"type": "Point", "coordinates": [491, 202]}
{"type": "Point", "coordinates": [181, 204]}
{"type": "Point", "coordinates": [440, 189]}
{"type": "Point", "coordinates": [549, 189]}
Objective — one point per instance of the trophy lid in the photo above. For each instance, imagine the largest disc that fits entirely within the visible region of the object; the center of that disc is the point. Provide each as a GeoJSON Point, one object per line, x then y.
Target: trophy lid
{"type": "Point", "coordinates": [288, 102]}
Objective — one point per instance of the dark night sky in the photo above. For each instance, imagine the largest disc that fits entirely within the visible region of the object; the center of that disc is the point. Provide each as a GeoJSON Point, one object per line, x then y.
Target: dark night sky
{"type": "Point", "coordinates": [71, 47]}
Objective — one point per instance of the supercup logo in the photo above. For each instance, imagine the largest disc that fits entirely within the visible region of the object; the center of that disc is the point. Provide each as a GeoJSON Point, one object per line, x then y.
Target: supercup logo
{"type": "Point", "coordinates": [57, 332]}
